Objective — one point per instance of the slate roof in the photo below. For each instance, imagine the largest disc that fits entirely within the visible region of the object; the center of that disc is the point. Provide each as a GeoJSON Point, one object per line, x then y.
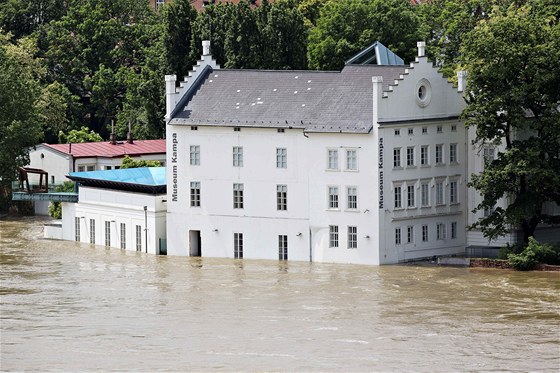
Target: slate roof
{"type": "Point", "coordinates": [315, 101]}
{"type": "Point", "coordinates": [106, 150]}
{"type": "Point", "coordinates": [144, 180]}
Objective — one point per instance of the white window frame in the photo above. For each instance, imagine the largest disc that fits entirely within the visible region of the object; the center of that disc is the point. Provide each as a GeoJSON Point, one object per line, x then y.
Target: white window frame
{"type": "Point", "coordinates": [123, 235]}
{"type": "Point", "coordinates": [440, 193]}
{"type": "Point", "coordinates": [425, 194]}
{"type": "Point", "coordinates": [397, 191]}
{"type": "Point", "coordinates": [138, 230]}
{"type": "Point", "coordinates": [77, 229]}
{"type": "Point", "coordinates": [351, 159]}
{"type": "Point", "coordinates": [453, 192]}
{"type": "Point", "coordinates": [195, 194]}
{"type": "Point", "coordinates": [107, 233]}
{"type": "Point", "coordinates": [439, 154]}
{"type": "Point", "coordinates": [282, 247]}
{"type": "Point", "coordinates": [352, 237]}
{"type": "Point", "coordinates": [440, 231]}
{"type": "Point", "coordinates": [410, 196]}
{"type": "Point", "coordinates": [397, 158]}
{"type": "Point", "coordinates": [424, 155]}
{"type": "Point", "coordinates": [410, 156]}
{"type": "Point", "coordinates": [238, 245]}
{"type": "Point", "coordinates": [333, 235]}
{"type": "Point", "coordinates": [332, 159]}
{"type": "Point", "coordinates": [281, 197]}
{"type": "Point", "coordinates": [333, 200]}
{"type": "Point", "coordinates": [453, 230]}
{"type": "Point", "coordinates": [238, 191]}
{"type": "Point", "coordinates": [281, 158]}
{"type": "Point", "coordinates": [237, 155]}
{"type": "Point", "coordinates": [410, 234]}
{"type": "Point", "coordinates": [92, 231]}
{"type": "Point", "coordinates": [194, 155]}
{"type": "Point", "coordinates": [425, 233]}
{"type": "Point", "coordinates": [453, 153]}
{"type": "Point", "coordinates": [398, 236]}
{"type": "Point", "coordinates": [352, 197]}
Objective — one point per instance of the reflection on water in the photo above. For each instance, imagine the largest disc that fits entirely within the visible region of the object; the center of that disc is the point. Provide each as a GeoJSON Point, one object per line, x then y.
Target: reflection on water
{"type": "Point", "coordinates": [75, 307]}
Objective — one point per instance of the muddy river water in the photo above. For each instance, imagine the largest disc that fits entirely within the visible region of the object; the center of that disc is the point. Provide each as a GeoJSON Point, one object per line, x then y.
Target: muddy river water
{"type": "Point", "coordinates": [75, 307]}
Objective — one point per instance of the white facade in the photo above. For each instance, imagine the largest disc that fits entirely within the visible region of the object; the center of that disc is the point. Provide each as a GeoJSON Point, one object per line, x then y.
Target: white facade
{"type": "Point", "coordinates": [340, 186]}
{"type": "Point", "coordinates": [116, 219]}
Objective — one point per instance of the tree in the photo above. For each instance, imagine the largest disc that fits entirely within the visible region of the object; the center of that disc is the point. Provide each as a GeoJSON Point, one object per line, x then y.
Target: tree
{"type": "Point", "coordinates": [345, 27]}
{"type": "Point", "coordinates": [23, 17]}
{"type": "Point", "coordinates": [128, 162]}
{"type": "Point", "coordinates": [19, 126]}
{"type": "Point", "coordinates": [513, 62]}
{"type": "Point", "coordinates": [78, 136]}
{"type": "Point", "coordinates": [178, 19]}
{"type": "Point", "coordinates": [92, 50]}
{"type": "Point", "coordinates": [55, 208]}
{"type": "Point", "coordinates": [444, 24]}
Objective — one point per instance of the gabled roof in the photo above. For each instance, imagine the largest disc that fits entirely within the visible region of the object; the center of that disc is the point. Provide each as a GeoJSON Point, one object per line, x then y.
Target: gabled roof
{"type": "Point", "coordinates": [143, 180]}
{"type": "Point", "coordinates": [106, 150]}
{"type": "Point", "coordinates": [315, 101]}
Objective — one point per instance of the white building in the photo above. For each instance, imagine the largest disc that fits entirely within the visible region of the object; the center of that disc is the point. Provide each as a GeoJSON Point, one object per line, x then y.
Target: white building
{"type": "Point", "coordinates": [117, 208]}
{"type": "Point", "coordinates": [367, 165]}
{"type": "Point", "coordinates": [60, 159]}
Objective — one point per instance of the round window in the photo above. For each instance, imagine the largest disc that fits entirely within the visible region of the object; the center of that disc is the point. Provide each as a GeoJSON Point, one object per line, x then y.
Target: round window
{"type": "Point", "coordinates": [423, 93]}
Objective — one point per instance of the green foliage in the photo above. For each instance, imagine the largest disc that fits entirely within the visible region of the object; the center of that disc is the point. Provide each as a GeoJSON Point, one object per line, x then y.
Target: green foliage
{"type": "Point", "coordinates": [128, 162]}
{"type": "Point", "coordinates": [93, 50]}
{"type": "Point", "coordinates": [55, 208]}
{"type": "Point", "coordinates": [78, 136]}
{"type": "Point", "coordinates": [178, 18]}
{"type": "Point", "coordinates": [19, 112]}
{"type": "Point", "coordinates": [516, 248]}
{"type": "Point", "coordinates": [345, 27]}
{"type": "Point", "coordinates": [22, 17]}
{"type": "Point", "coordinates": [513, 60]}
{"type": "Point", "coordinates": [534, 253]}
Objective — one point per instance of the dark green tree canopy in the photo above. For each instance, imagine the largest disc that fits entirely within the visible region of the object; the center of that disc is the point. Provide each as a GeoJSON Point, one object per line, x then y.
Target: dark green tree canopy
{"type": "Point", "coordinates": [345, 27]}
{"type": "Point", "coordinates": [513, 61]}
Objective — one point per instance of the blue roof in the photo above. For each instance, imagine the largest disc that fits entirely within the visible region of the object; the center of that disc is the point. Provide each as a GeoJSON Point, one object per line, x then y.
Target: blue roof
{"type": "Point", "coordinates": [145, 179]}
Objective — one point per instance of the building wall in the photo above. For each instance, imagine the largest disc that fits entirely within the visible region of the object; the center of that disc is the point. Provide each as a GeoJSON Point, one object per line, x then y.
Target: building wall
{"type": "Point", "coordinates": [310, 220]}
{"type": "Point", "coordinates": [55, 163]}
{"type": "Point", "coordinates": [116, 207]}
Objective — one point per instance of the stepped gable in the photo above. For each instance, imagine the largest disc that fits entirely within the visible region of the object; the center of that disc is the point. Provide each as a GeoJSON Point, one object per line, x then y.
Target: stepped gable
{"type": "Point", "coordinates": [315, 101]}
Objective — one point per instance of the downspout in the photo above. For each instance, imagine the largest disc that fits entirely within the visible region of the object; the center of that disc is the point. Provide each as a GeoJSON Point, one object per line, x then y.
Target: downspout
{"type": "Point", "coordinates": [146, 226]}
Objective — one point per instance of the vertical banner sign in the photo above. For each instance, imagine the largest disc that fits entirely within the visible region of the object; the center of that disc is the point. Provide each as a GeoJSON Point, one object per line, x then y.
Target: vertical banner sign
{"type": "Point", "coordinates": [174, 143]}
{"type": "Point", "coordinates": [381, 172]}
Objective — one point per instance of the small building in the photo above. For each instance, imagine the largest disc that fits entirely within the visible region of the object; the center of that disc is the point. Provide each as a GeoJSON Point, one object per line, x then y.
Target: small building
{"type": "Point", "coordinates": [60, 159]}
{"type": "Point", "coordinates": [123, 208]}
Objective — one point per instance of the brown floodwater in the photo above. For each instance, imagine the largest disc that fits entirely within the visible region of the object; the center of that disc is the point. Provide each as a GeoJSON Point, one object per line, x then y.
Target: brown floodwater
{"type": "Point", "coordinates": [76, 307]}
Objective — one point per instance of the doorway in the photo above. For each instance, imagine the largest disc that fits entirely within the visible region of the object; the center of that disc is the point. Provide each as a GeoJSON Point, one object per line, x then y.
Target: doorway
{"type": "Point", "coordinates": [195, 243]}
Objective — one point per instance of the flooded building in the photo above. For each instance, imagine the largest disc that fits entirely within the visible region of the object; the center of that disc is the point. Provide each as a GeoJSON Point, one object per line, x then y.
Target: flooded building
{"type": "Point", "coordinates": [367, 165]}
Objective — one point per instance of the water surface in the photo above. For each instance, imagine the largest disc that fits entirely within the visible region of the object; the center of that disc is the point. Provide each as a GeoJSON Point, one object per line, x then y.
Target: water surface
{"type": "Point", "coordinates": [76, 307]}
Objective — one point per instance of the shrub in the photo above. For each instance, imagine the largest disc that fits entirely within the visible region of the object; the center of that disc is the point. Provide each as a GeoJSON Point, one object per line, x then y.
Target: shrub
{"type": "Point", "coordinates": [55, 208]}
{"type": "Point", "coordinates": [516, 248]}
{"type": "Point", "coordinates": [534, 253]}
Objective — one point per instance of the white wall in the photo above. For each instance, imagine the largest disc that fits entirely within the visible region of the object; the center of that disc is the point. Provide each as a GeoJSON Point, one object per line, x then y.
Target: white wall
{"type": "Point", "coordinates": [116, 207]}
{"type": "Point", "coordinates": [55, 163]}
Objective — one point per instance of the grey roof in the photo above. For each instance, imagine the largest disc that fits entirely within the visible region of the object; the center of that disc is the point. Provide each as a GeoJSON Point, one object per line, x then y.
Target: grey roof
{"type": "Point", "coordinates": [315, 101]}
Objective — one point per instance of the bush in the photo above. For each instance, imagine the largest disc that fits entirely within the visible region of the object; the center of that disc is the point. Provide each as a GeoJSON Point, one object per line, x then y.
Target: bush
{"type": "Point", "coordinates": [516, 248]}
{"type": "Point", "coordinates": [534, 253]}
{"type": "Point", "coordinates": [55, 208]}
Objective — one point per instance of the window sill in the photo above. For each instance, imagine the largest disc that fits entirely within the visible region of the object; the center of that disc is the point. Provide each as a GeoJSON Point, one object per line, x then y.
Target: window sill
{"type": "Point", "coordinates": [397, 168]}
{"type": "Point", "coordinates": [410, 167]}
{"type": "Point", "coordinates": [332, 170]}
{"type": "Point", "coordinates": [440, 164]}
{"type": "Point", "coordinates": [349, 170]}
{"type": "Point", "coordinates": [425, 166]}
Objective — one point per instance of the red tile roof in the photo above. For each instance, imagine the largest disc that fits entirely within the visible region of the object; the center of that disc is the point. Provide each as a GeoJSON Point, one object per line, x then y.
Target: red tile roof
{"type": "Point", "coordinates": [107, 150]}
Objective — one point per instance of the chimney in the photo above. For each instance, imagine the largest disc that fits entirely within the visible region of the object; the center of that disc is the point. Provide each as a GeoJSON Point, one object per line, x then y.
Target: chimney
{"type": "Point", "coordinates": [206, 47]}
{"type": "Point", "coordinates": [170, 93]}
{"type": "Point", "coordinates": [421, 48]}
{"type": "Point", "coordinates": [129, 134]}
{"type": "Point", "coordinates": [112, 136]}
{"type": "Point", "coordinates": [461, 81]}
